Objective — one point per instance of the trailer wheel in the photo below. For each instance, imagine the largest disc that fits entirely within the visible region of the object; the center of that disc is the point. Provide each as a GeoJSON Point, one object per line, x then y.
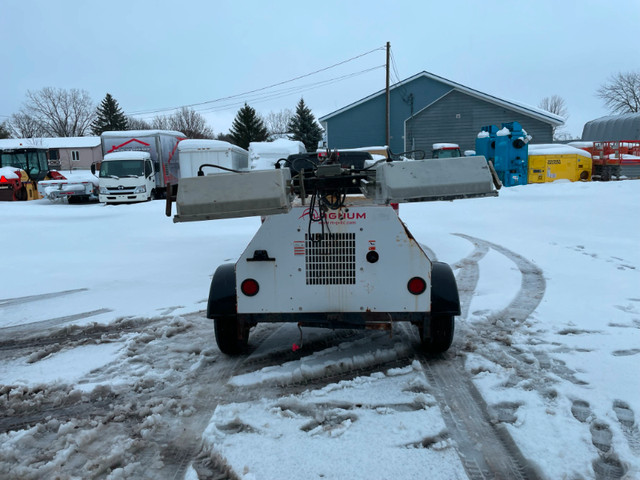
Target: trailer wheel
{"type": "Point", "coordinates": [441, 329]}
{"type": "Point", "coordinates": [232, 337]}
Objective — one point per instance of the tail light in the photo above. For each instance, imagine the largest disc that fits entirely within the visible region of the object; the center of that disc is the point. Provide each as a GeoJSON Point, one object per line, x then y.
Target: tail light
{"type": "Point", "coordinates": [3, 179]}
{"type": "Point", "coordinates": [249, 287]}
{"type": "Point", "coordinates": [417, 285]}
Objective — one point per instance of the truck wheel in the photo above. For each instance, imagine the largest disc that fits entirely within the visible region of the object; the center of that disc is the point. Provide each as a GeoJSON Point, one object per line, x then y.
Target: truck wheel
{"type": "Point", "coordinates": [231, 337]}
{"type": "Point", "coordinates": [441, 328]}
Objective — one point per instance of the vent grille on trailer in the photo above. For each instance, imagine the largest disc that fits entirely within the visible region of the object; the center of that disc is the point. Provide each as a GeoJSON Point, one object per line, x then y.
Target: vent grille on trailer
{"type": "Point", "coordinates": [330, 259]}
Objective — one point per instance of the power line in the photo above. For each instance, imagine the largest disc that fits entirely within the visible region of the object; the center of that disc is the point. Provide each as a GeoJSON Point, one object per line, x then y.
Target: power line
{"type": "Point", "coordinates": [221, 99]}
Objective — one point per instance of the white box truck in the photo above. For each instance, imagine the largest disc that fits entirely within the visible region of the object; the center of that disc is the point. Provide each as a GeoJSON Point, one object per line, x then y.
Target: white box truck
{"type": "Point", "coordinates": [210, 154]}
{"type": "Point", "coordinates": [138, 165]}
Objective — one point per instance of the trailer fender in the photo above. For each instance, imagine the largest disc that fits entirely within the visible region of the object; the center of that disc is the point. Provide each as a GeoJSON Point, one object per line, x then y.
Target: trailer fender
{"type": "Point", "coordinates": [222, 294]}
{"type": "Point", "coordinates": [444, 290]}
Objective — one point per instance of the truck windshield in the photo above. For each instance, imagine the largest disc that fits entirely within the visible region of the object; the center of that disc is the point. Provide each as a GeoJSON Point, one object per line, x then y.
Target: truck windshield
{"type": "Point", "coordinates": [448, 153]}
{"type": "Point", "coordinates": [122, 168]}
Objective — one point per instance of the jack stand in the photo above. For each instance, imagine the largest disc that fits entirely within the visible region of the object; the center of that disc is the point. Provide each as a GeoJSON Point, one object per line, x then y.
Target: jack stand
{"type": "Point", "coordinates": [298, 346]}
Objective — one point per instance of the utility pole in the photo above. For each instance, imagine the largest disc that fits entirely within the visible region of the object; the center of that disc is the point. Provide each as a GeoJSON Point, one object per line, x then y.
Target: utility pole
{"type": "Point", "coordinates": [387, 131]}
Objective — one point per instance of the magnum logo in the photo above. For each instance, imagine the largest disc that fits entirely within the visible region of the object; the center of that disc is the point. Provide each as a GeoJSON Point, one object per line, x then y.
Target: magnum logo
{"type": "Point", "coordinates": [339, 216]}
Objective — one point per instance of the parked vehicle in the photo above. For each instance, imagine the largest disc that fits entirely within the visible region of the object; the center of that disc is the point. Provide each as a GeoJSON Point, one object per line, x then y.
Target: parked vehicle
{"type": "Point", "coordinates": [445, 150]}
{"type": "Point", "coordinates": [212, 154]}
{"type": "Point", "coordinates": [324, 258]}
{"type": "Point", "coordinates": [138, 165]}
{"type": "Point", "coordinates": [29, 165]}
{"type": "Point", "coordinates": [75, 186]}
{"type": "Point", "coordinates": [264, 155]}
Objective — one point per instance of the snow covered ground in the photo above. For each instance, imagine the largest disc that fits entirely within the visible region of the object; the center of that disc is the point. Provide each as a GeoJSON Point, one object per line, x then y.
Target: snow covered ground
{"type": "Point", "coordinates": [549, 276]}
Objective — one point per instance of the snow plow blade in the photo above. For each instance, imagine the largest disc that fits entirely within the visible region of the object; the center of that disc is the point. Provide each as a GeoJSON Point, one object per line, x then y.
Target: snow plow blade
{"type": "Point", "coordinates": [430, 180]}
{"type": "Point", "coordinates": [233, 195]}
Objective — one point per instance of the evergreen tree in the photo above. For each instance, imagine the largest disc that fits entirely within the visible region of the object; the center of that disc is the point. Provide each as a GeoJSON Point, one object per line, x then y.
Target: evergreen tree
{"type": "Point", "coordinates": [248, 127]}
{"type": "Point", "coordinates": [303, 127]}
{"type": "Point", "coordinates": [109, 117]}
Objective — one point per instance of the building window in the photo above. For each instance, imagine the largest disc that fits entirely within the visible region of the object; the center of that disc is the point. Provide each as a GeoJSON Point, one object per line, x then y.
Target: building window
{"type": "Point", "coordinates": [54, 154]}
{"type": "Point", "coordinates": [75, 155]}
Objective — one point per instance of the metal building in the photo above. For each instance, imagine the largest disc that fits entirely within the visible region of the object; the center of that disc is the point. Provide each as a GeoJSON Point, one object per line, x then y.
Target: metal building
{"type": "Point", "coordinates": [613, 128]}
{"type": "Point", "coordinates": [427, 109]}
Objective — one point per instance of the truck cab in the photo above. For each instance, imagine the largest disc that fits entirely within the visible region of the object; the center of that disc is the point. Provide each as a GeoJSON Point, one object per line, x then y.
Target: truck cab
{"type": "Point", "coordinates": [127, 177]}
{"type": "Point", "coordinates": [446, 150]}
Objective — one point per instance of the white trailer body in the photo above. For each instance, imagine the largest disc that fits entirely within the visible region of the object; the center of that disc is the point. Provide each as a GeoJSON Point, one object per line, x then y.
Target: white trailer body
{"type": "Point", "coordinates": [136, 184]}
{"type": "Point", "coordinates": [264, 155]}
{"type": "Point", "coordinates": [353, 268]}
{"type": "Point", "coordinates": [194, 153]}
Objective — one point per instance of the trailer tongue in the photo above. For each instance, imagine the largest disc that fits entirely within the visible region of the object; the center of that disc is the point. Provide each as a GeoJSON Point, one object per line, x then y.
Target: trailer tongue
{"type": "Point", "coordinates": [326, 258]}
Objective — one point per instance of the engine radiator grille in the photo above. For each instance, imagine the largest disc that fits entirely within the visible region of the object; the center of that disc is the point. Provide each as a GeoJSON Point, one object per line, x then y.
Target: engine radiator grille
{"type": "Point", "coordinates": [330, 259]}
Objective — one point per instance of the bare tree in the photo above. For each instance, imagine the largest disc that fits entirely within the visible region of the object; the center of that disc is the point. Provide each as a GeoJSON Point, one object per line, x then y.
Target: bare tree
{"type": "Point", "coordinates": [59, 112]}
{"type": "Point", "coordinates": [277, 123]}
{"type": "Point", "coordinates": [185, 120]}
{"type": "Point", "coordinates": [621, 93]}
{"type": "Point", "coordinates": [161, 123]}
{"type": "Point", "coordinates": [5, 130]}
{"type": "Point", "coordinates": [25, 126]}
{"type": "Point", "coordinates": [138, 124]}
{"type": "Point", "coordinates": [191, 123]}
{"type": "Point", "coordinates": [555, 104]}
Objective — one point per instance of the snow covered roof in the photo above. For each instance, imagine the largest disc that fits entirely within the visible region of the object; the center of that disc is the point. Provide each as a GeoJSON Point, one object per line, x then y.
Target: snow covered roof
{"type": "Point", "coordinates": [442, 146]}
{"type": "Point", "coordinates": [613, 128]}
{"type": "Point", "coordinates": [278, 146]}
{"type": "Point", "coordinates": [128, 155]}
{"type": "Point", "coordinates": [141, 133]}
{"type": "Point", "coordinates": [535, 112]}
{"type": "Point", "coordinates": [53, 142]}
{"type": "Point", "coordinates": [556, 149]}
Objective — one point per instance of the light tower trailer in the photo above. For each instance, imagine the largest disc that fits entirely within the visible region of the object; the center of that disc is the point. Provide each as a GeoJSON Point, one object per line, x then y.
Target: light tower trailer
{"type": "Point", "coordinates": [323, 258]}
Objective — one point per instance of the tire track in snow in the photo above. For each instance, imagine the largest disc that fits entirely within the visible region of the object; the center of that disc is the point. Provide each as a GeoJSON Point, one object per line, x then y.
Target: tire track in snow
{"type": "Point", "coordinates": [486, 448]}
{"type": "Point", "coordinates": [33, 298]}
{"type": "Point", "coordinates": [532, 286]}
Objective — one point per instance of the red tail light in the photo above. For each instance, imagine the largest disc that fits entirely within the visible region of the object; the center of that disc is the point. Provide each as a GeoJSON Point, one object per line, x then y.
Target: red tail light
{"type": "Point", "coordinates": [417, 285]}
{"type": "Point", "coordinates": [249, 287]}
{"type": "Point", "coordinates": [3, 179]}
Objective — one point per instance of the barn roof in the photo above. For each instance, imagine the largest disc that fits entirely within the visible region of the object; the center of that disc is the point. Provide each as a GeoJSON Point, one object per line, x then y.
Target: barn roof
{"type": "Point", "coordinates": [538, 113]}
{"type": "Point", "coordinates": [613, 128]}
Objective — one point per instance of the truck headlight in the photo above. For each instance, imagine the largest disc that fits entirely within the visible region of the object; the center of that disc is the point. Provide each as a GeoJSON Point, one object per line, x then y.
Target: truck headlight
{"type": "Point", "coordinates": [140, 189]}
{"type": "Point", "coordinates": [104, 191]}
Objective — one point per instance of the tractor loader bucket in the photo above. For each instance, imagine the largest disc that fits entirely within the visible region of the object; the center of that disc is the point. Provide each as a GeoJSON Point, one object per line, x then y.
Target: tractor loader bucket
{"type": "Point", "coordinates": [233, 195]}
{"type": "Point", "coordinates": [430, 180]}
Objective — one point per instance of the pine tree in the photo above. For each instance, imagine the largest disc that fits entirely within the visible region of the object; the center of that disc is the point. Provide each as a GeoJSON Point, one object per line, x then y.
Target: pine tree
{"type": "Point", "coordinates": [303, 127]}
{"type": "Point", "coordinates": [109, 117]}
{"type": "Point", "coordinates": [247, 127]}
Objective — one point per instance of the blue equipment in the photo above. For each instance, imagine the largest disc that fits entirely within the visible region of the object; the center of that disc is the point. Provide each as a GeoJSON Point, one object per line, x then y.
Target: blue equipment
{"type": "Point", "coordinates": [508, 150]}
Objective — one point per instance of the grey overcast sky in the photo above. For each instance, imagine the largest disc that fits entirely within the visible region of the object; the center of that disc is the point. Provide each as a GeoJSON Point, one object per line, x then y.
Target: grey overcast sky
{"type": "Point", "coordinates": [157, 54]}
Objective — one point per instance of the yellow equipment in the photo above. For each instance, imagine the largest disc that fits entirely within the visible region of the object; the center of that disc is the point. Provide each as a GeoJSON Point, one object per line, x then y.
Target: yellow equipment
{"type": "Point", "coordinates": [548, 163]}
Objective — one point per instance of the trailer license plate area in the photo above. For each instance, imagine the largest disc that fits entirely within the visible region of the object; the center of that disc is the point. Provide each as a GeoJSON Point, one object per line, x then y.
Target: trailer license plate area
{"type": "Point", "coordinates": [330, 259]}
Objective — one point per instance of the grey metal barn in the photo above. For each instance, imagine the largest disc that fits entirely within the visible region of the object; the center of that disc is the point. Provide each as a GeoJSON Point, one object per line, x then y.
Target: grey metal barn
{"type": "Point", "coordinates": [613, 128]}
{"type": "Point", "coordinates": [427, 109]}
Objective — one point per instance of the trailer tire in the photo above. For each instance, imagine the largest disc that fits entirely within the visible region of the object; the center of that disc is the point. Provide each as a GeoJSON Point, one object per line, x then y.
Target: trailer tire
{"type": "Point", "coordinates": [232, 336]}
{"type": "Point", "coordinates": [441, 330]}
